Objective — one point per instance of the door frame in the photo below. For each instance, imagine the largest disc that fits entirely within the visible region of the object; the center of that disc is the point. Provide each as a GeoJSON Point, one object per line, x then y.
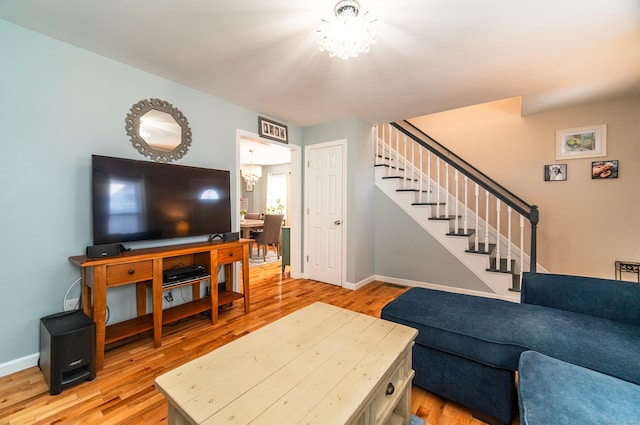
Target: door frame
{"type": "Point", "coordinates": [295, 204]}
{"type": "Point", "coordinates": [344, 222]}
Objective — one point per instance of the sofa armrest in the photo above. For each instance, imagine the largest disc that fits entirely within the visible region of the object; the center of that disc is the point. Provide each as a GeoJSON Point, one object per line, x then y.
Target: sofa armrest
{"type": "Point", "coordinates": [610, 299]}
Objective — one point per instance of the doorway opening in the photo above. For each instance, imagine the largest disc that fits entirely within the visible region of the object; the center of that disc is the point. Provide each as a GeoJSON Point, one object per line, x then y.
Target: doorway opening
{"type": "Point", "coordinates": [278, 190]}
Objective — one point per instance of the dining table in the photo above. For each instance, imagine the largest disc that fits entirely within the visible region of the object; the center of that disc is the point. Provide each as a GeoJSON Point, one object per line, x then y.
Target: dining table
{"type": "Point", "coordinates": [247, 225]}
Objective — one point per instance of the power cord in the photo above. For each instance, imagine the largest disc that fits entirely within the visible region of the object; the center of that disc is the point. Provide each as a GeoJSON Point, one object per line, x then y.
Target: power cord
{"type": "Point", "coordinates": [66, 295]}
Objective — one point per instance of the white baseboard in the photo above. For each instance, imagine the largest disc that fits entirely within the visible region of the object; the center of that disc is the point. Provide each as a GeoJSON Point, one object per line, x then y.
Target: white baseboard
{"type": "Point", "coordinates": [515, 296]}
{"type": "Point", "coordinates": [358, 285]}
{"type": "Point", "coordinates": [17, 365]}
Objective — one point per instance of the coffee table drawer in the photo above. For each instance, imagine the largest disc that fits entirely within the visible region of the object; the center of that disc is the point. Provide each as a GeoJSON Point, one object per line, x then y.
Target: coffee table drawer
{"type": "Point", "coordinates": [393, 387]}
{"type": "Point", "coordinates": [139, 271]}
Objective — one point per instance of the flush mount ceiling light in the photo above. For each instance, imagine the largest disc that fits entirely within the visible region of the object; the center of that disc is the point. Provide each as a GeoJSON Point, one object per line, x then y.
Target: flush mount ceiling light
{"type": "Point", "coordinates": [348, 33]}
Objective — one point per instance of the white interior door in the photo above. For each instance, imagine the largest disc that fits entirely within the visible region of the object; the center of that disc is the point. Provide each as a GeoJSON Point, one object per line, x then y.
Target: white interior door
{"type": "Point", "coordinates": [325, 190]}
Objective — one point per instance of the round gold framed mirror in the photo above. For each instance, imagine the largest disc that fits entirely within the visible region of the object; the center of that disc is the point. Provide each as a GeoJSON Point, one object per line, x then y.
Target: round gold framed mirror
{"type": "Point", "coordinates": [158, 130]}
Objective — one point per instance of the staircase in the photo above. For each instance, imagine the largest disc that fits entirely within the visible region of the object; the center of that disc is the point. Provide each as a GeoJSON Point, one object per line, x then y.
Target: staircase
{"type": "Point", "coordinates": [490, 230]}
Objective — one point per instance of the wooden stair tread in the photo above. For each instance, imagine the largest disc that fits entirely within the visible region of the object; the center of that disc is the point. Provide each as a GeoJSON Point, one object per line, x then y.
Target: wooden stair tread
{"type": "Point", "coordinates": [444, 217]}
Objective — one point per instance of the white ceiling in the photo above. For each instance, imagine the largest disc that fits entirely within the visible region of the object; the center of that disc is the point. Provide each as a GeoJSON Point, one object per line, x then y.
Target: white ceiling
{"type": "Point", "coordinates": [432, 55]}
{"type": "Point", "coordinates": [264, 153]}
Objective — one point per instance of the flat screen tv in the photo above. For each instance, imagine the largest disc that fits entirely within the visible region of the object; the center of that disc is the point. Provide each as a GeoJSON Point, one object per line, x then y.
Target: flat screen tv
{"type": "Point", "coordinates": [141, 200]}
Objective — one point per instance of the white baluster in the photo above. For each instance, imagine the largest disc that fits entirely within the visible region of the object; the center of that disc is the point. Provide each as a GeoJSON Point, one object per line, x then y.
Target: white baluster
{"type": "Point", "coordinates": [428, 176]}
{"type": "Point", "coordinates": [466, 205]}
{"type": "Point", "coordinates": [421, 179]}
{"type": "Point", "coordinates": [477, 238]}
{"type": "Point", "coordinates": [386, 151]}
{"type": "Point", "coordinates": [438, 185]}
{"type": "Point", "coordinates": [446, 189]}
{"type": "Point", "coordinates": [509, 211]}
{"type": "Point", "coordinates": [486, 218]}
{"type": "Point", "coordinates": [498, 205]}
{"type": "Point", "coordinates": [404, 157]}
{"type": "Point", "coordinates": [397, 153]}
{"type": "Point", "coordinates": [455, 221]}
{"type": "Point", "coordinates": [382, 148]}
{"type": "Point", "coordinates": [377, 142]}
{"type": "Point", "coordinates": [521, 246]}
{"type": "Point", "coordinates": [413, 166]}
{"type": "Point", "coordinates": [390, 148]}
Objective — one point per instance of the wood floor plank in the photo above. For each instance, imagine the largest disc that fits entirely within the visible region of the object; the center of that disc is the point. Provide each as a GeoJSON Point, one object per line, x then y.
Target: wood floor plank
{"type": "Point", "coordinates": [123, 392]}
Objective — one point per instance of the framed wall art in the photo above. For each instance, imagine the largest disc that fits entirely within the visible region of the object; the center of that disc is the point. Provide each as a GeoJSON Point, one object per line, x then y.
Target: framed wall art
{"type": "Point", "coordinates": [581, 142]}
{"type": "Point", "coordinates": [555, 172]}
{"type": "Point", "coordinates": [604, 170]}
{"type": "Point", "coordinates": [273, 130]}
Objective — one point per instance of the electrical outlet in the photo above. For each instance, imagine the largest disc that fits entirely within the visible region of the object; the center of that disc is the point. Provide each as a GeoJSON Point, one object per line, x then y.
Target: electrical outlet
{"type": "Point", "coordinates": [71, 304]}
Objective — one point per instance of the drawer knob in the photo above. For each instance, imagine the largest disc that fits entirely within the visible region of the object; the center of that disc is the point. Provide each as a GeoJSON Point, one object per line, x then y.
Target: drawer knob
{"type": "Point", "coordinates": [131, 271]}
{"type": "Point", "coordinates": [231, 254]}
{"type": "Point", "coordinates": [390, 389]}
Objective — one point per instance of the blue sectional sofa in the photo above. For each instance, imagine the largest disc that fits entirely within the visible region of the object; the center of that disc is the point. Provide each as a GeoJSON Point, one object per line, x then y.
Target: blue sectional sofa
{"type": "Point", "coordinates": [468, 348]}
{"type": "Point", "coordinates": [553, 392]}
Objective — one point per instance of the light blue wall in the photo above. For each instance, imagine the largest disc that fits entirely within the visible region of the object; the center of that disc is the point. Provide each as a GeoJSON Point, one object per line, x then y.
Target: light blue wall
{"type": "Point", "coordinates": [58, 105]}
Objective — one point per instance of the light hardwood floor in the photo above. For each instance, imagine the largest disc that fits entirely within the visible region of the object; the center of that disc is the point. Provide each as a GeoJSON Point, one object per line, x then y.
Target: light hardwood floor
{"type": "Point", "coordinates": [123, 392]}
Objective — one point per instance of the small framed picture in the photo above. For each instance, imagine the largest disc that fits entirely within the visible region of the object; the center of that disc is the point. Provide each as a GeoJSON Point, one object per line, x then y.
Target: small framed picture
{"type": "Point", "coordinates": [555, 172]}
{"type": "Point", "coordinates": [581, 142]}
{"type": "Point", "coordinates": [248, 187]}
{"type": "Point", "coordinates": [604, 170]}
{"type": "Point", "coordinates": [273, 130]}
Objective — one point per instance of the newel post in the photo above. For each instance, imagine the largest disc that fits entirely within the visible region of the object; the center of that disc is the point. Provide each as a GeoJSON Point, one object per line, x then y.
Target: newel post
{"type": "Point", "coordinates": [534, 216]}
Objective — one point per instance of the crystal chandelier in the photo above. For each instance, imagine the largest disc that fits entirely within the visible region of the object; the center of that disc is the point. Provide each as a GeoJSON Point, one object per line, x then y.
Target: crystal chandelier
{"type": "Point", "coordinates": [349, 33]}
{"type": "Point", "coordinates": [251, 173]}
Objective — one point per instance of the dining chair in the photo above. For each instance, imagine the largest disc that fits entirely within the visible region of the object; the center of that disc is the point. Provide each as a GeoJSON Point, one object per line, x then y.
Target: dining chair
{"type": "Point", "coordinates": [254, 216]}
{"type": "Point", "coordinates": [270, 234]}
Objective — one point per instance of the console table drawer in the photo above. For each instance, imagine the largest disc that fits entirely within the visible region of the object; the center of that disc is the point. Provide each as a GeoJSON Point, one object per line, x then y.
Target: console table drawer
{"type": "Point", "coordinates": [229, 255]}
{"type": "Point", "coordinates": [118, 274]}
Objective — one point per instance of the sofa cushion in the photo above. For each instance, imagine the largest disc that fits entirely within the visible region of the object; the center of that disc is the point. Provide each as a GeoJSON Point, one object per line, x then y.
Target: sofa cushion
{"type": "Point", "coordinates": [496, 332]}
{"type": "Point", "coordinates": [610, 299]}
{"type": "Point", "coordinates": [555, 392]}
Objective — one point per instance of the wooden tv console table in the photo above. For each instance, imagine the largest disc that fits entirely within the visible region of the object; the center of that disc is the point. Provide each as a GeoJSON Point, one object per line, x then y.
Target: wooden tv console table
{"type": "Point", "coordinates": [144, 267]}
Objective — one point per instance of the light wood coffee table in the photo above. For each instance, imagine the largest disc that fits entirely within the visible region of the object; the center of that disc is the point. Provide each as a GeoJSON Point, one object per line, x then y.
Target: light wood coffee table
{"type": "Point", "coordinates": [319, 365]}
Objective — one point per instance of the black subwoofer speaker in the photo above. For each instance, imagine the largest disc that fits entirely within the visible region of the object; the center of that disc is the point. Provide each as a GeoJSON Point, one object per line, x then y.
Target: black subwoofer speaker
{"type": "Point", "coordinates": [230, 236]}
{"type": "Point", "coordinates": [104, 250]}
{"type": "Point", "coordinates": [67, 349]}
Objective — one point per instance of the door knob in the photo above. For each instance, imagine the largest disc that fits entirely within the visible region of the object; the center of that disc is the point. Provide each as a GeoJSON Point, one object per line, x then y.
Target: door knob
{"type": "Point", "coordinates": [337, 223]}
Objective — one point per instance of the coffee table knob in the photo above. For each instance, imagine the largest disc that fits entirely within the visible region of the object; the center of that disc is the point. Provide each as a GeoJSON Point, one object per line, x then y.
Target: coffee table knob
{"type": "Point", "coordinates": [390, 389]}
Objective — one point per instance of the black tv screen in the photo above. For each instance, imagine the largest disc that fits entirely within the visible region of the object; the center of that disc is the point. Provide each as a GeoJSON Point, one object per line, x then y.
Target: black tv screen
{"type": "Point", "coordinates": [141, 200]}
